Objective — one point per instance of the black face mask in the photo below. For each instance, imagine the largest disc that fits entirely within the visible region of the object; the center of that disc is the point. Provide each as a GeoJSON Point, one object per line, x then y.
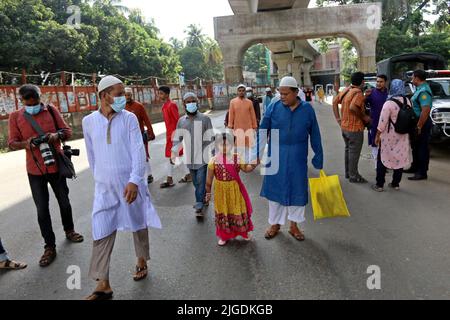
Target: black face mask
{"type": "Point", "coordinates": [191, 114]}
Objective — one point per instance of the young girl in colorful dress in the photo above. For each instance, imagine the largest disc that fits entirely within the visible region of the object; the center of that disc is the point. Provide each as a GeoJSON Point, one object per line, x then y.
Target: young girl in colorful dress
{"type": "Point", "coordinates": [232, 204]}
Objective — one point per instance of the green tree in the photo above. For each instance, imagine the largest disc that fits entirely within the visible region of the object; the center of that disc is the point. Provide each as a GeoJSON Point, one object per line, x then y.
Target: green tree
{"type": "Point", "coordinates": [255, 61]}
{"type": "Point", "coordinates": [195, 37]}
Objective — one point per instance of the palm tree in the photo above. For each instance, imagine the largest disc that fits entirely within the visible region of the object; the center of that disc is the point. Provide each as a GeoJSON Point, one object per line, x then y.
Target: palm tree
{"type": "Point", "coordinates": [195, 36]}
{"type": "Point", "coordinates": [213, 54]}
{"type": "Point", "coordinates": [111, 7]}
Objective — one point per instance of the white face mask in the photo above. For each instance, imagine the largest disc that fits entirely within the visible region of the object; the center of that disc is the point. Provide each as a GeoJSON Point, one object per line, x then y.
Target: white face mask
{"type": "Point", "coordinates": [249, 94]}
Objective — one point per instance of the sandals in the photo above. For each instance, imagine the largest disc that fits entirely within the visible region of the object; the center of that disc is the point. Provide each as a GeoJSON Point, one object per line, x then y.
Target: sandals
{"type": "Point", "coordinates": [166, 185]}
{"type": "Point", "coordinates": [272, 232]}
{"type": "Point", "coordinates": [48, 257]}
{"type": "Point", "coordinates": [297, 234]}
{"type": "Point", "coordinates": [12, 265]}
{"type": "Point", "coordinates": [186, 179]}
{"type": "Point", "coordinates": [100, 296]}
{"type": "Point", "coordinates": [141, 273]}
{"type": "Point", "coordinates": [358, 180]}
{"type": "Point", "coordinates": [74, 237]}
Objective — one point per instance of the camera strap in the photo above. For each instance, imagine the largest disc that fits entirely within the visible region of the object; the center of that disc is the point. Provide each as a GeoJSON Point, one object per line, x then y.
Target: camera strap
{"type": "Point", "coordinates": [40, 132]}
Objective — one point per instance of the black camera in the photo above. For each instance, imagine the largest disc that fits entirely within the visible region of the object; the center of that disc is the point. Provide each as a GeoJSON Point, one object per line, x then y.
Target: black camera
{"type": "Point", "coordinates": [69, 152]}
{"type": "Point", "coordinates": [44, 148]}
{"type": "Point", "coordinates": [39, 140]}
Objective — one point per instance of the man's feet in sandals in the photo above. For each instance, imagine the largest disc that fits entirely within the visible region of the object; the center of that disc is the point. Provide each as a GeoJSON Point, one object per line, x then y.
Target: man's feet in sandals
{"type": "Point", "coordinates": [72, 236]}
{"type": "Point", "coordinates": [48, 257]}
{"type": "Point", "coordinates": [186, 179]}
{"type": "Point", "coordinates": [100, 296]}
{"type": "Point", "coordinates": [272, 232]}
{"type": "Point", "coordinates": [296, 233]}
{"type": "Point", "coordinates": [168, 184]}
{"type": "Point", "coordinates": [141, 273]}
{"type": "Point", "coordinates": [12, 265]}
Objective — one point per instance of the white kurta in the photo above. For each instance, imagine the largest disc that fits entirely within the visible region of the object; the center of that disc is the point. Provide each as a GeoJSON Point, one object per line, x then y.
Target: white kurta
{"type": "Point", "coordinates": [116, 161]}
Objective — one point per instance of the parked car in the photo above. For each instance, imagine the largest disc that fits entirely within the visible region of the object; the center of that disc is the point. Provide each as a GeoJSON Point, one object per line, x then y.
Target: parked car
{"type": "Point", "coordinates": [440, 113]}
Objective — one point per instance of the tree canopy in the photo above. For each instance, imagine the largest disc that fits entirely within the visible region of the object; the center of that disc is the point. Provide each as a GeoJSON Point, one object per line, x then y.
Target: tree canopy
{"type": "Point", "coordinates": [35, 35]}
{"type": "Point", "coordinates": [405, 29]}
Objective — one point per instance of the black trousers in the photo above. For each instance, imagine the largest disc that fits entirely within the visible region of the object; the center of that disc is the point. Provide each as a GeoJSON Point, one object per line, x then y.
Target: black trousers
{"type": "Point", "coordinates": [421, 150]}
{"type": "Point", "coordinates": [381, 174]}
{"type": "Point", "coordinates": [39, 190]}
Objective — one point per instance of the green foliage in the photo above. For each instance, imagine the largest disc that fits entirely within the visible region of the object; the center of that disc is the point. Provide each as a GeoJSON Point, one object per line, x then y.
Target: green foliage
{"type": "Point", "coordinates": [201, 57]}
{"type": "Point", "coordinates": [111, 39]}
{"type": "Point", "coordinates": [255, 61]}
{"type": "Point", "coordinates": [405, 29]}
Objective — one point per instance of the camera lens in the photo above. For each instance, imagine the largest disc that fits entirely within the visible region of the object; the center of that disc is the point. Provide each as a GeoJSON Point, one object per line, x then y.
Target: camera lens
{"type": "Point", "coordinates": [47, 154]}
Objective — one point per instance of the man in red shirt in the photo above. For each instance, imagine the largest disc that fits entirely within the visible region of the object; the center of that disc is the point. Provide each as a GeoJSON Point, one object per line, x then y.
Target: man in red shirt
{"type": "Point", "coordinates": [40, 174]}
{"type": "Point", "coordinates": [145, 125]}
{"type": "Point", "coordinates": [171, 117]}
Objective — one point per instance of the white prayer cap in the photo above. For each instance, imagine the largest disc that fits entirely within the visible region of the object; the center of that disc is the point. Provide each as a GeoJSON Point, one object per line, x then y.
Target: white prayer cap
{"type": "Point", "coordinates": [189, 95]}
{"type": "Point", "coordinates": [107, 82]}
{"type": "Point", "coordinates": [288, 82]}
{"type": "Point", "coordinates": [249, 89]}
{"type": "Point", "coordinates": [241, 86]}
{"type": "Point", "coordinates": [268, 89]}
{"type": "Point", "coordinates": [128, 90]}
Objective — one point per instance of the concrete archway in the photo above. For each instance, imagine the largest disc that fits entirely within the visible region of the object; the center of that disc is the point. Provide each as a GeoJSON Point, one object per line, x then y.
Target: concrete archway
{"type": "Point", "coordinates": [359, 23]}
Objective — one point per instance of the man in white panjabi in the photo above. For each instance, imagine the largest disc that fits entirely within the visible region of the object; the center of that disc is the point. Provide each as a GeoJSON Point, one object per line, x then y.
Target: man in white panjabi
{"type": "Point", "coordinates": [122, 201]}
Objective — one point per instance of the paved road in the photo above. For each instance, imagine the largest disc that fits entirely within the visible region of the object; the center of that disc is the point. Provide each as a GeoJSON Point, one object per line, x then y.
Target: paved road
{"type": "Point", "coordinates": [405, 233]}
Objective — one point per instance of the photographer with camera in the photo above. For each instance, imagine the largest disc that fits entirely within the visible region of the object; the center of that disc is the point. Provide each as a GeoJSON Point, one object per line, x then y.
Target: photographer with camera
{"type": "Point", "coordinates": [43, 153]}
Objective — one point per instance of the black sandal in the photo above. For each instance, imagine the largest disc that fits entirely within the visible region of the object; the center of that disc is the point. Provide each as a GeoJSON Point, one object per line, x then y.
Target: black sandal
{"type": "Point", "coordinates": [166, 185]}
{"type": "Point", "coordinates": [100, 296]}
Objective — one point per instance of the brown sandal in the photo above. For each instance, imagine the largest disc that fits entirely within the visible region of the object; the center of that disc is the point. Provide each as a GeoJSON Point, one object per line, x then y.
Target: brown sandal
{"type": "Point", "coordinates": [12, 265]}
{"type": "Point", "coordinates": [141, 273]}
{"type": "Point", "coordinates": [297, 234]}
{"type": "Point", "coordinates": [48, 257]}
{"type": "Point", "coordinates": [100, 296]}
{"type": "Point", "coordinates": [272, 232]}
{"type": "Point", "coordinates": [74, 237]}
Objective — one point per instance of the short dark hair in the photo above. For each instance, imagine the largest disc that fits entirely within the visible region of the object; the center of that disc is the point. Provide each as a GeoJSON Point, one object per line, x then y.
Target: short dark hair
{"type": "Point", "coordinates": [382, 76]}
{"type": "Point", "coordinates": [357, 78]}
{"type": "Point", "coordinates": [29, 91]}
{"type": "Point", "coordinates": [164, 89]}
{"type": "Point", "coordinates": [421, 74]}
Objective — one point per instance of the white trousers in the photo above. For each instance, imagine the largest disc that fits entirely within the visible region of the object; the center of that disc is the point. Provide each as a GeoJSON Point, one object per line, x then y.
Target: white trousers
{"type": "Point", "coordinates": [278, 213]}
{"type": "Point", "coordinates": [148, 169]}
{"type": "Point", "coordinates": [375, 156]}
{"type": "Point", "coordinates": [171, 169]}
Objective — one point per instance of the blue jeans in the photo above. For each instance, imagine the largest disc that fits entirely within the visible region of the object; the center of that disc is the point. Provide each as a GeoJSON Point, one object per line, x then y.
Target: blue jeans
{"type": "Point", "coordinates": [199, 181]}
{"type": "Point", "coordinates": [3, 254]}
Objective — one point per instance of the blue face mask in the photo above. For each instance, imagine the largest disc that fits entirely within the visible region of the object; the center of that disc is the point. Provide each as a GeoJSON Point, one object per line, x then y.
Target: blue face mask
{"type": "Point", "coordinates": [119, 104]}
{"type": "Point", "coordinates": [192, 107]}
{"type": "Point", "coordinates": [33, 110]}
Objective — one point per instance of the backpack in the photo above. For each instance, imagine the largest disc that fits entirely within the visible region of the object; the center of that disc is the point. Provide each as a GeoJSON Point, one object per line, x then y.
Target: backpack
{"type": "Point", "coordinates": [406, 119]}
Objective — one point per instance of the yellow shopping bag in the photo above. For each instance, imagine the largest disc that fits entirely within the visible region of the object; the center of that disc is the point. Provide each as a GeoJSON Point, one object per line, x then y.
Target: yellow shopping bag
{"type": "Point", "coordinates": [327, 198]}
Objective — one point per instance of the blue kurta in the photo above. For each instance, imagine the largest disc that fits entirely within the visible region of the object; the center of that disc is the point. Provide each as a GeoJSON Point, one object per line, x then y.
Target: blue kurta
{"type": "Point", "coordinates": [289, 186]}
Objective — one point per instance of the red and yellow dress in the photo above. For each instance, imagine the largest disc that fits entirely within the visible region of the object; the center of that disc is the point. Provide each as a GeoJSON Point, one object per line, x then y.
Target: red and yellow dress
{"type": "Point", "coordinates": [232, 216]}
